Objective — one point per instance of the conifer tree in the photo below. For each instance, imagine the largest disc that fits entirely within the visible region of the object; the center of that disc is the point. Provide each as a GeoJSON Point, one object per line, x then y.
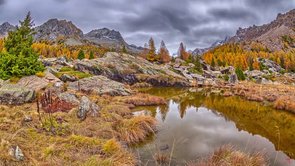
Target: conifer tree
{"type": "Point", "coordinates": [19, 59]}
{"type": "Point", "coordinates": [81, 55]}
{"type": "Point", "coordinates": [152, 50]}
{"type": "Point", "coordinates": [91, 55]}
{"type": "Point", "coordinates": [163, 54]}
{"type": "Point", "coordinates": [124, 50]}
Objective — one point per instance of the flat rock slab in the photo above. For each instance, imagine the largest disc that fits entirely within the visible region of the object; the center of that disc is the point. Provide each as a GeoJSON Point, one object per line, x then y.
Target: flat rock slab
{"type": "Point", "coordinates": [15, 94]}
{"type": "Point", "coordinates": [100, 85]}
{"type": "Point", "coordinates": [38, 83]}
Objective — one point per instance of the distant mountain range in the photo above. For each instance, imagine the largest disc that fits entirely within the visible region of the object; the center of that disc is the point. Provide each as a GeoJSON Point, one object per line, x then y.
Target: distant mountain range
{"type": "Point", "coordinates": [201, 51]}
{"type": "Point", "coordinates": [271, 35]}
{"type": "Point", "coordinates": [55, 30]}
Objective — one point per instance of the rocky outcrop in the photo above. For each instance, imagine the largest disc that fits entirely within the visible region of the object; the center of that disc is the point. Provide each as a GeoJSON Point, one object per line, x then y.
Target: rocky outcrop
{"type": "Point", "coordinates": [69, 98]}
{"type": "Point", "coordinates": [37, 83]}
{"type": "Point", "coordinates": [100, 85]}
{"type": "Point", "coordinates": [17, 153]}
{"type": "Point", "coordinates": [87, 107]}
{"type": "Point", "coordinates": [15, 94]}
{"type": "Point", "coordinates": [130, 69]}
{"type": "Point", "coordinates": [233, 79]}
{"type": "Point", "coordinates": [270, 34]}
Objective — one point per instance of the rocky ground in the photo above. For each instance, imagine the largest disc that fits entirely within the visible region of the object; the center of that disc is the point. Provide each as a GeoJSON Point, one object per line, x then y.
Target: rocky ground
{"type": "Point", "coordinates": [84, 106]}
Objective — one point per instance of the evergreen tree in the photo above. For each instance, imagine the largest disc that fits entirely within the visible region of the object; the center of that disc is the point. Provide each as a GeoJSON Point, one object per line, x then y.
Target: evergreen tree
{"type": "Point", "coordinates": [240, 73]}
{"type": "Point", "coordinates": [91, 55]}
{"type": "Point", "coordinates": [81, 55]}
{"type": "Point", "coordinates": [163, 54]}
{"type": "Point", "coordinates": [124, 50]}
{"type": "Point", "coordinates": [20, 59]}
{"type": "Point", "coordinates": [152, 50]}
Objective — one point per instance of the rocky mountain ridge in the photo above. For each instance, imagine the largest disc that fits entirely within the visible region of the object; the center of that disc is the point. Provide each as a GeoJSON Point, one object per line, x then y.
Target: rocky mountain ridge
{"type": "Point", "coordinates": [270, 34]}
{"type": "Point", "coordinates": [57, 31]}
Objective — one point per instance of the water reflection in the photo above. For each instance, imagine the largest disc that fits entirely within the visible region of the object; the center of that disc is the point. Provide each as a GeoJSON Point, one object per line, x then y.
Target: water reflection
{"type": "Point", "coordinates": [195, 123]}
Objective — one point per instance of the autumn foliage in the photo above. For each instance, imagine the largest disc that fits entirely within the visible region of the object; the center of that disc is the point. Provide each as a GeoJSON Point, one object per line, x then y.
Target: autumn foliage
{"type": "Point", "coordinates": [163, 54]}
{"type": "Point", "coordinates": [49, 50]}
{"type": "Point", "coordinates": [149, 52]}
{"type": "Point", "coordinates": [182, 52]}
{"type": "Point", "coordinates": [240, 55]}
{"type": "Point", "coordinates": [51, 104]}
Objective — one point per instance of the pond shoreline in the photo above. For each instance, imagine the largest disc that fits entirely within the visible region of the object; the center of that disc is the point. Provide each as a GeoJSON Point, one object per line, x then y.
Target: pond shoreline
{"type": "Point", "coordinates": [257, 122]}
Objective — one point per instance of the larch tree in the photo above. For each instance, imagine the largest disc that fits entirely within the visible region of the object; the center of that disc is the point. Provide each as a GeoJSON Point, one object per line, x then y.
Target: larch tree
{"type": "Point", "coordinates": [182, 52]}
{"type": "Point", "coordinates": [164, 56]}
{"type": "Point", "coordinates": [152, 50]}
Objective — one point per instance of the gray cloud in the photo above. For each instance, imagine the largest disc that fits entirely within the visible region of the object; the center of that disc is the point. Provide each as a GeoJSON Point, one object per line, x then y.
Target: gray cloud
{"type": "Point", "coordinates": [197, 23]}
{"type": "Point", "coordinates": [2, 2]}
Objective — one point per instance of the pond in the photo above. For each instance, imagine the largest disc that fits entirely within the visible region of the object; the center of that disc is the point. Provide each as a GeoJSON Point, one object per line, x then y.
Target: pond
{"type": "Point", "coordinates": [196, 122]}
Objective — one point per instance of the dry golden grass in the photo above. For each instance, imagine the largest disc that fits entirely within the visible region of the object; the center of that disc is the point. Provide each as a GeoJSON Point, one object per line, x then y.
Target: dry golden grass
{"type": "Point", "coordinates": [283, 96]}
{"type": "Point", "coordinates": [143, 100]}
{"type": "Point", "coordinates": [134, 130]}
{"type": "Point", "coordinates": [161, 158]}
{"type": "Point", "coordinates": [228, 156]}
{"type": "Point", "coordinates": [95, 141]}
{"type": "Point", "coordinates": [285, 103]}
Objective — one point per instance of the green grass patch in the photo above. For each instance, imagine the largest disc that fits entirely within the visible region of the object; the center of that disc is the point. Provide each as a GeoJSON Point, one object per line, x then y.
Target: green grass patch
{"type": "Point", "coordinates": [71, 72]}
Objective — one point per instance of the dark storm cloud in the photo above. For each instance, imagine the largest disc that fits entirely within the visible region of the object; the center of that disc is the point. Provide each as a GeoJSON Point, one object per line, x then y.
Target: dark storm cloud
{"type": "Point", "coordinates": [197, 23]}
{"type": "Point", "coordinates": [2, 2]}
{"type": "Point", "coordinates": [232, 14]}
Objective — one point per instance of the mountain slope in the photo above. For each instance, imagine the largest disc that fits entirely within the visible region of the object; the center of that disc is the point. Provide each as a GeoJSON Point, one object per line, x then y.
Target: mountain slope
{"type": "Point", "coordinates": [272, 35]}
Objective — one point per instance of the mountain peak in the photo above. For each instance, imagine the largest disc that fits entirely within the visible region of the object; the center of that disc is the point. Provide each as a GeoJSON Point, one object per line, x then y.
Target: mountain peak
{"type": "Point", "coordinates": [105, 33]}
{"type": "Point", "coordinates": [54, 28]}
{"type": "Point", "coordinates": [5, 28]}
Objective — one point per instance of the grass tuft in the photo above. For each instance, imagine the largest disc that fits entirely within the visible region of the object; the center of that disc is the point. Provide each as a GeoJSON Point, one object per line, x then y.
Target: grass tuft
{"type": "Point", "coordinates": [135, 130]}
{"type": "Point", "coordinates": [228, 156]}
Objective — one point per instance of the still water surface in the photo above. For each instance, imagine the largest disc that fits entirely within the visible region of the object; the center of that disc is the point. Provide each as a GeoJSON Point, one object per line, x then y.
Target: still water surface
{"type": "Point", "coordinates": [195, 123]}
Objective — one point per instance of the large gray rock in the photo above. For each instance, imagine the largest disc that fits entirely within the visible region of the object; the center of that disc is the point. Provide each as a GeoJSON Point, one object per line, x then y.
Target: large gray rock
{"type": "Point", "coordinates": [17, 153]}
{"type": "Point", "coordinates": [38, 83]}
{"type": "Point", "coordinates": [69, 97]}
{"type": "Point", "coordinates": [254, 74]}
{"type": "Point", "coordinates": [233, 79]}
{"type": "Point", "coordinates": [86, 107]}
{"type": "Point", "coordinates": [130, 69]}
{"type": "Point", "coordinates": [100, 85]}
{"type": "Point", "coordinates": [68, 78]}
{"type": "Point", "coordinates": [15, 94]}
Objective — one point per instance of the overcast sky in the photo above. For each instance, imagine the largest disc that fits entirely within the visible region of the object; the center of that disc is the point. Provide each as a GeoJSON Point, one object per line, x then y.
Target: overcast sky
{"type": "Point", "coordinates": [197, 23]}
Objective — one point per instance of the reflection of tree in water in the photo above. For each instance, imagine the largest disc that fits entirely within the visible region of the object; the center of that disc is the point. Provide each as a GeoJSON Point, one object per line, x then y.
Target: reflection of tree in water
{"type": "Point", "coordinates": [164, 110]}
{"type": "Point", "coordinates": [257, 119]}
{"type": "Point", "coordinates": [188, 100]}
